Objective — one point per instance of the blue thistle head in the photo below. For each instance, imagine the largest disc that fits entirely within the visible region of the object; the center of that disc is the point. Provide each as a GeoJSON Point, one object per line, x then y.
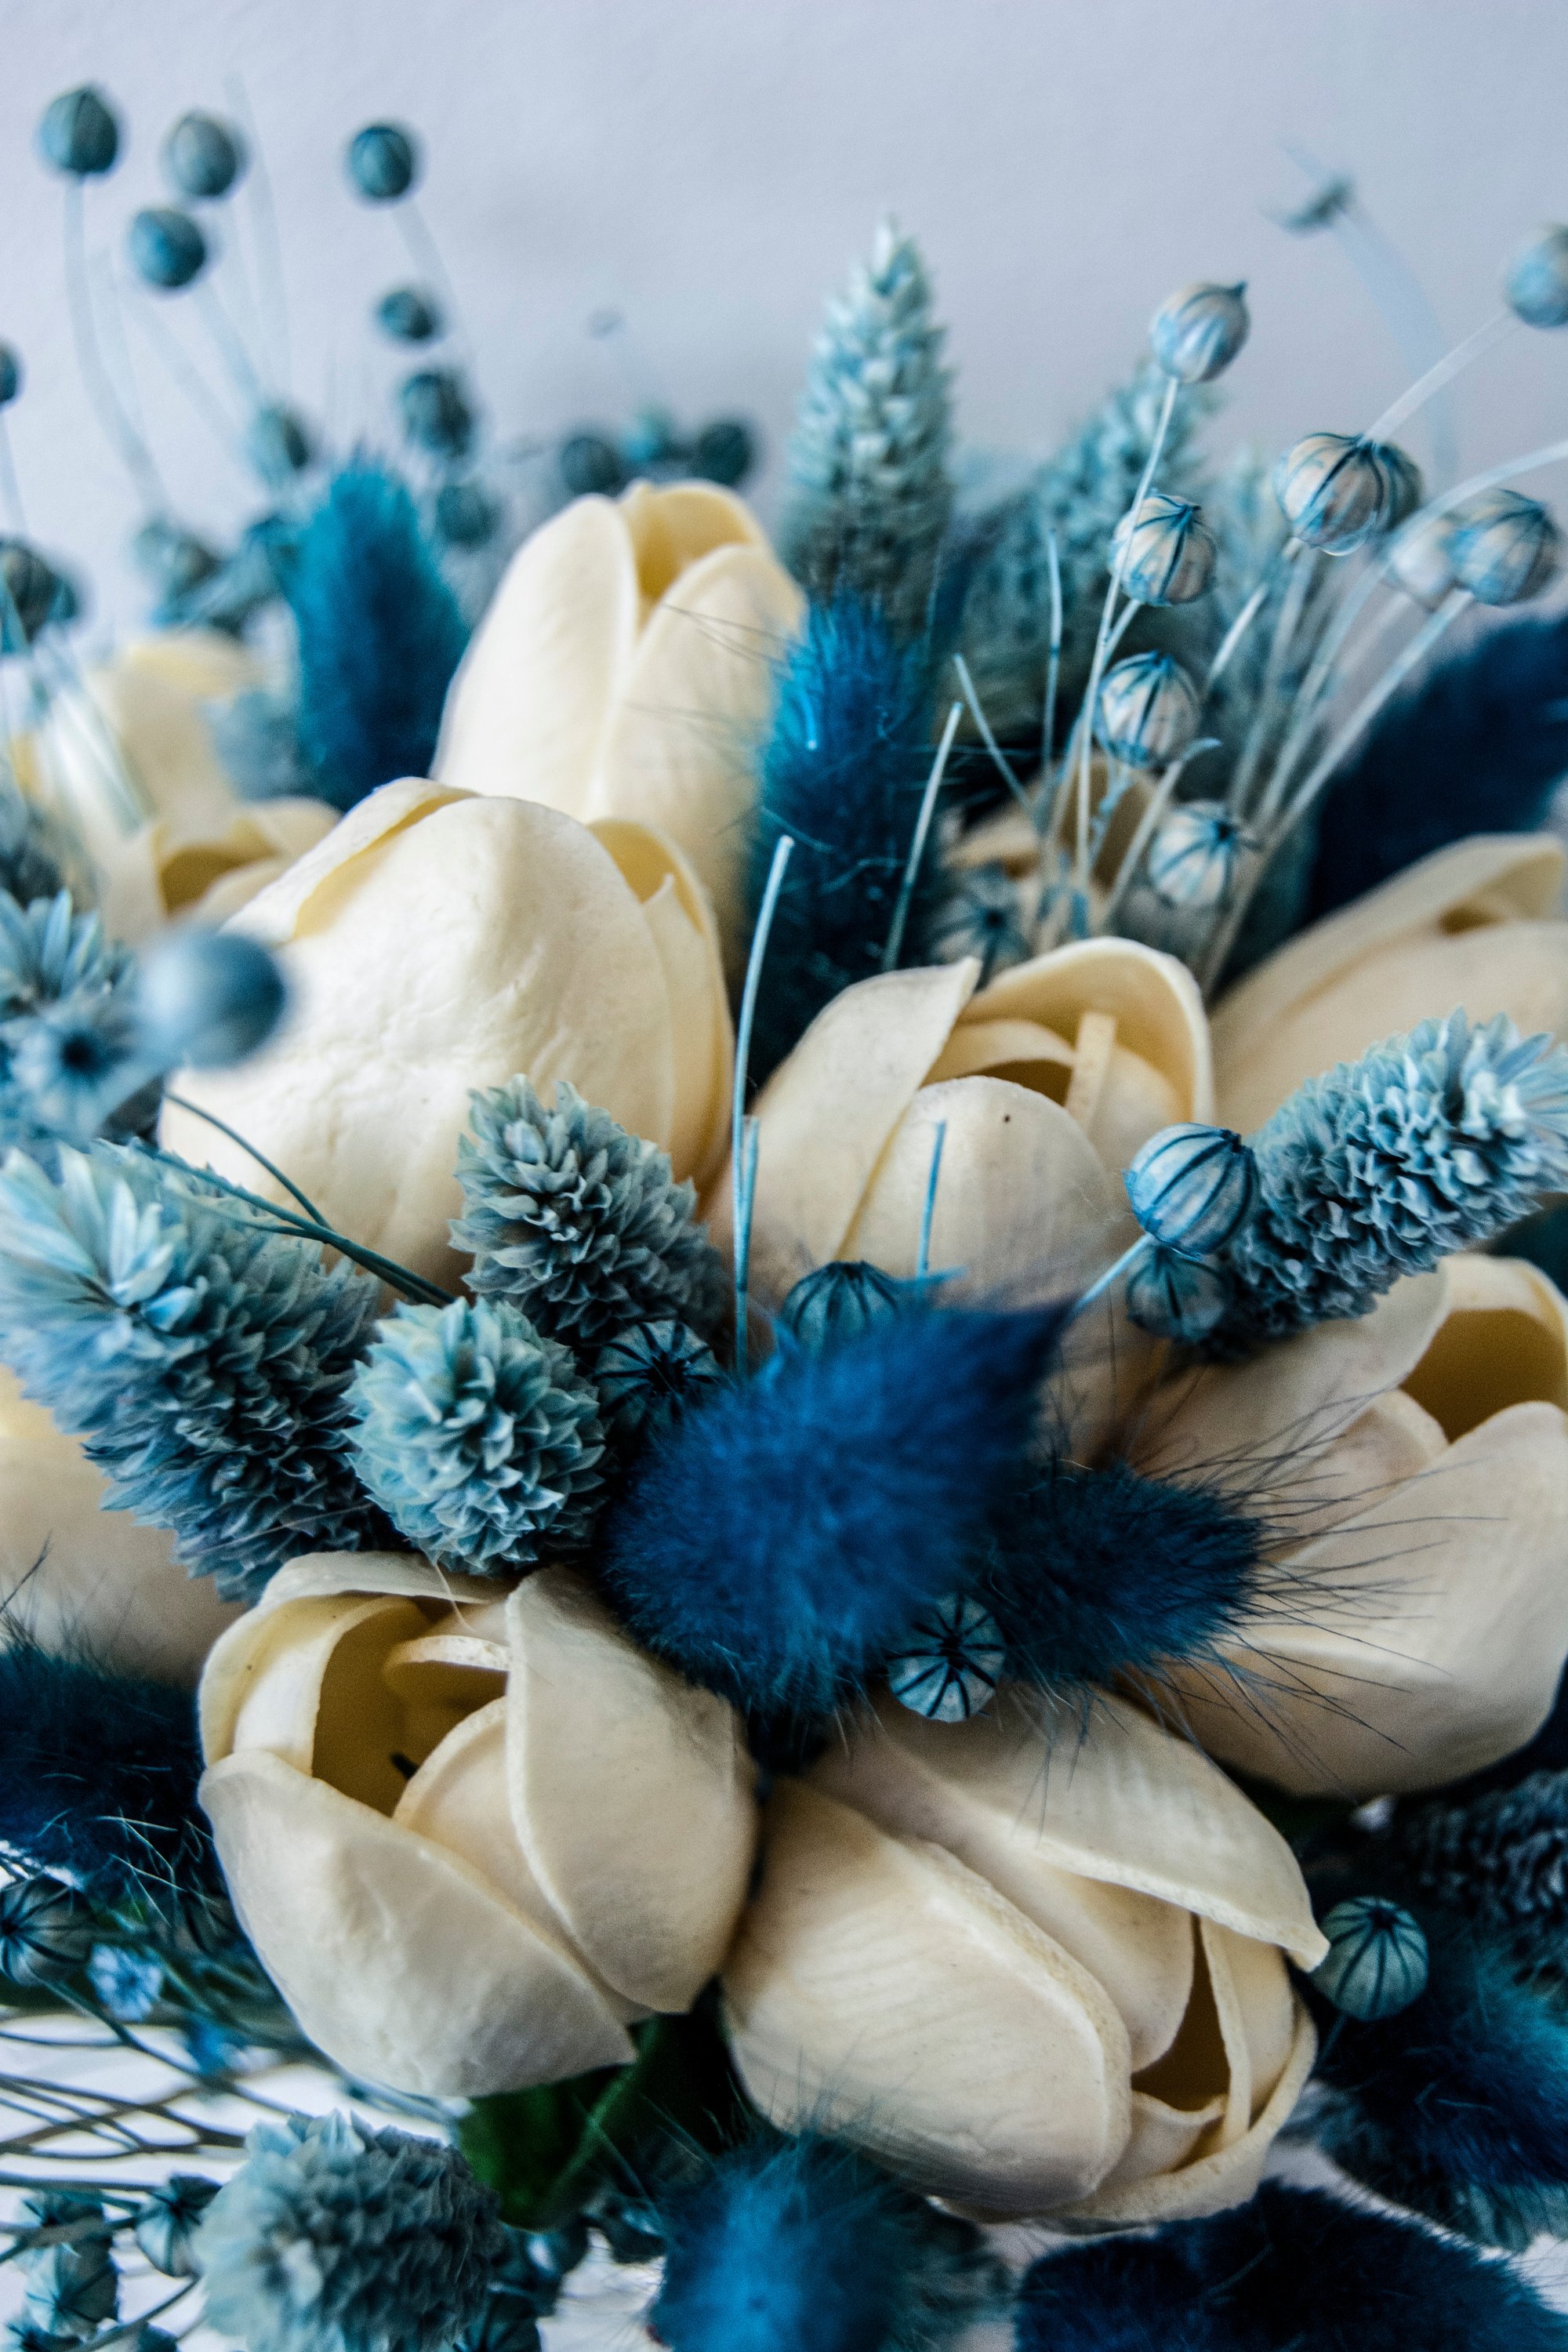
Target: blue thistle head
{"type": "Point", "coordinates": [478, 1438]}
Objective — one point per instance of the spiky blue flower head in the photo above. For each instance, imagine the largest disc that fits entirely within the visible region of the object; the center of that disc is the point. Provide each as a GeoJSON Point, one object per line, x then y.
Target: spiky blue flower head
{"type": "Point", "coordinates": [1430, 1143]}
{"type": "Point", "coordinates": [335, 2238]}
{"type": "Point", "coordinates": [478, 1437]}
{"type": "Point", "coordinates": [648, 1374]}
{"type": "Point", "coordinates": [575, 1223]}
{"type": "Point", "coordinates": [203, 1356]}
{"type": "Point", "coordinates": [71, 1062]}
{"type": "Point", "coordinates": [72, 2284]}
{"type": "Point", "coordinates": [48, 950]}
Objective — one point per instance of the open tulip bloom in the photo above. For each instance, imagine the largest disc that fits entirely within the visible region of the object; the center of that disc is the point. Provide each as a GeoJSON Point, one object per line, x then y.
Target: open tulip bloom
{"type": "Point", "coordinates": [814, 1292]}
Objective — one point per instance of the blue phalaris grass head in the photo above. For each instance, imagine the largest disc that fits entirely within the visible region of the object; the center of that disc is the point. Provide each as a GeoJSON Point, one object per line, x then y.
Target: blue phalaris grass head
{"type": "Point", "coordinates": [478, 1438]}
{"type": "Point", "coordinates": [334, 2237]}
{"type": "Point", "coordinates": [203, 1358]}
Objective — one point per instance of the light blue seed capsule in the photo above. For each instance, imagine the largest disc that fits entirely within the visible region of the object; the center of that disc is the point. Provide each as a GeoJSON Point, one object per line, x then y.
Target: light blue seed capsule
{"type": "Point", "coordinates": [203, 157]}
{"type": "Point", "coordinates": [951, 1666]}
{"type": "Point", "coordinates": [1175, 1298]}
{"type": "Point", "coordinates": [1197, 331]}
{"type": "Point", "coordinates": [1193, 1188]}
{"type": "Point", "coordinates": [1195, 855]}
{"type": "Point", "coordinates": [1503, 547]}
{"type": "Point", "coordinates": [166, 248]}
{"type": "Point", "coordinates": [1536, 286]}
{"type": "Point", "coordinates": [1377, 1958]}
{"type": "Point", "coordinates": [841, 1301]}
{"type": "Point", "coordinates": [382, 162]}
{"type": "Point", "coordinates": [1148, 710]}
{"type": "Point", "coordinates": [78, 134]}
{"type": "Point", "coordinates": [1169, 551]}
{"type": "Point", "coordinates": [207, 998]}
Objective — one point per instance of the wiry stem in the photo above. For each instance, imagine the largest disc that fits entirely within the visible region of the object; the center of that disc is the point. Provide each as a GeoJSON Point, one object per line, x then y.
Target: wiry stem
{"type": "Point", "coordinates": [891, 952]}
{"type": "Point", "coordinates": [988, 738]}
{"type": "Point", "coordinates": [1044, 797]}
{"type": "Point", "coordinates": [1159, 801]}
{"type": "Point", "coordinates": [928, 1211]}
{"type": "Point", "coordinates": [1286, 622]}
{"type": "Point", "coordinates": [742, 1185]}
{"type": "Point", "coordinates": [1443, 372]}
{"type": "Point", "coordinates": [112, 415]}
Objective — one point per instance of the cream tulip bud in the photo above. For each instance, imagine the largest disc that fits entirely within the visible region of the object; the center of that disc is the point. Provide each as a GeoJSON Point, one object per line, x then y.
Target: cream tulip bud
{"type": "Point", "coordinates": [1504, 548]}
{"type": "Point", "coordinates": [1148, 710]}
{"type": "Point", "coordinates": [1537, 282]}
{"type": "Point", "coordinates": [1197, 331]}
{"type": "Point", "coordinates": [1169, 552]}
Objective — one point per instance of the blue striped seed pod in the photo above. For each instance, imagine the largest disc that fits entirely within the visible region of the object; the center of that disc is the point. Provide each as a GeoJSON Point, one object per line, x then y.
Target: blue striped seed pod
{"type": "Point", "coordinates": [648, 1374]}
{"type": "Point", "coordinates": [1193, 1188]}
{"type": "Point", "coordinates": [1420, 557]}
{"type": "Point", "coordinates": [382, 162]}
{"type": "Point", "coordinates": [166, 248]}
{"type": "Point", "coordinates": [1337, 490]}
{"type": "Point", "coordinates": [277, 443]}
{"type": "Point", "coordinates": [45, 1932]}
{"type": "Point", "coordinates": [78, 134]}
{"type": "Point", "coordinates": [592, 464]}
{"type": "Point", "coordinates": [842, 1300]}
{"type": "Point", "coordinates": [1148, 710]}
{"type": "Point", "coordinates": [1405, 488]}
{"type": "Point", "coordinates": [1376, 1963]}
{"type": "Point", "coordinates": [1197, 331]}
{"type": "Point", "coordinates": [436, 412]}
{"type": "Point", "coordinates": [1169, 551]}
{"type": "Point", "coordinates": [410, 315]}
{"type": "Point", "coordinates": [1174, 1298]}
{"type": "Point", "coordinates": [1504, 548]}
{"type": "Point", "coordinates": [952, 1663]}
{"type": "Point", "coordinates": [1536, 286]}
{"type": "Point", "coordinates": [10, 375]}
{"type": "Point", "coordinates": [1194, 856]}
{"type": "Point", "coordinates": [203, 157]}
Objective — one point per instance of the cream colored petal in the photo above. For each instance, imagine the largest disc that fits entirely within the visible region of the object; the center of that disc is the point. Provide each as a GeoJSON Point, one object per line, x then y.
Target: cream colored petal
{"type": "Point", "coordinates": [1503, 1340]}
{"type": "Point", "coordinates": [825, 1114]}
{"type": "Point", "coordinates": [1257, 2012]}
{"type": "Point", "coordinates": [880, 1991]}
{"type": "Point", "coordinates": [1211, 2183]}
{"type": "Point", "coordinates": [203, 665]}
{"type": "Point", "coordinates": [224, 898]}
{"type": "Point", "coordinates": [321, 1702]}
{"type": "Point", "coordinates": [395, 1956]}
{"type": "Point", "coordinates": [491, 938]}
{"type": "Point", "coordinates": [672, 529]}
{"type": "Point", "coordinates": [631, 1795]}
{"type": "Point", "coordinates": [526, 712]}
{"type": "Point", "coordinates": [175, 866]}
{"type": "Point", "coordinates": [1020, 1050]}
{"type": "Point", "coordinates": [1008, 838]}
{"type": "Point", "coordinates": [1162, 2138]}
{"type": "Point", "coordinates": [681, 744]}
{"type": "Point", "coordinates": [679, 917]}
{"type": "Point", "coordinates": [162, 738]}
{"type": "Point", "coordinates": [1156, 1003]}
{"type": "Point", "coordinates": [1121, 1801]}
{"type": "Point", "coordinates": [439, 1680]}
{"type": "Point", "coordinates": [370, 823]}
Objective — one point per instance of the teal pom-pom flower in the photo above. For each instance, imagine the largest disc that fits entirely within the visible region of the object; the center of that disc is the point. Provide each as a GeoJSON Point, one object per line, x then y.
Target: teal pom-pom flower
{"type": "Point", "coordinates": [332, 2237]}
{"type": "Point", "coordinates": [479, 1437]}
{"type": "Point", "coordinates": [576, 1223]}
{"type": "Point", "coordinates": [1377, 1962]}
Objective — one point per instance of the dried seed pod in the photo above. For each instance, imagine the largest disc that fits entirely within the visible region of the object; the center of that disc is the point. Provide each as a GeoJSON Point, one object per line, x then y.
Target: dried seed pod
{"type": "Point", "coordinates": [1175, 1298]}
{"type": "Point", "coordinates": [1170, 552]}
{"type": "Point", "coordinates": [203, 156]}
{"type": "Point", "coordinates": [465, 515]}
{"type": "Point", "coordinates": [10, 375]}
{"type": "Point", "coordinates": [1504, 548]}
{"type": "Point", "coordinates": [1337, 490]}
{"type": "Point", "coordinates": [724, 451]}
{"type": "Point", "coordinates": [78, 134]}
{"type": "Point", "coordinates": [279, 444]}
{"type": "Point", "coordinates": [1377, 1958]}
{"type": "Point", "coordinates": [1193, 1188]}
{"type": "Point", "coordinates": [1148, 710]}
{"type": "Point", "coordinates": [1193, 857]}
{"type": "Point", "coordinates": [382, 162]}
{"type": "Point", "coordinates": [841, 1300]}
{"type": "Point", "coordinates": [436, 412]}
{"type": "Point", "coordinates": [591, 464]}
{"type": "Point", "coordinates": [1536, 286]}
{"type": "Point", "coordinates": [45, 1932]}
{"type": "Point", "coordinates": [1197, 331]}
{"type": "Point", "coordinates": [166, 248]}
{"type": "Point", "coordinates": [952, 1663]}
{"type": "Point", "coordinates": [409, 315]}
{"type": "Point", "coordinates": [208, 998]}
{"type": "Point", "coordinates": [1420, 557]}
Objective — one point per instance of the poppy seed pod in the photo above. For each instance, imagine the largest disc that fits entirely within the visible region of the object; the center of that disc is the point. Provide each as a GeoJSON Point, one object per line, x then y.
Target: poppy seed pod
{"type": "Point", "coordinates": [1148, 710]}
{"type": "Point", "coordinates": [1192, 1188]}
{"type": "Point", "coordinates": [203, 156]}
{"type": "Point", "coordinates": [10, 375]}
{"type": "Point", "coordinates": [591, 466]}
{"type": "Point", "coordinates": [1536, 286]}
{"type": "Point", "coordinates": [1420, 557]}
{"type": "Point", "coordinates": [28, 587]}
{"type": "Point", "coordinates": [208, 998]}
{"type": "Point", "coordinates": [465, 516]}
{"type": "Point", "coordinates": [277, 443]}
{"type": "Point", "coordinates": [1175, 1298]}
{"type": "Point", "coordinates": [78, 134]}
{"type": "Point", "coordinates": [1336, 490]}
{"type": "Point", "coordinates": [1193, 857]}
{"type": "Point", "coordinates": [1504, 548]}
{"type": "Point", "coordinates": [166, 248]}
{"type": "Point", "coordinates": [436, 412]}
{"type": "Point", "coordinates": [841, 1301]}
{"type": "Point", "coordinates": [951, 1662]}
{"type": "Point", "coordinates": [1169, 552]}
{"type": "Point", "coordinates": [409, 315]}
{"type": "Point", "coordinates": [1197, 331]}
{"type": "Point", "coordinates": [1376, 1964]}
{"type": "Point", "coordinates": [724, 452]}
{"type": "Point", "coordinates": [1406, 486]}
{"type": "Point", "coordinates": [45, 1932]}
{"type": "Point", "coordinates": [382, 162]}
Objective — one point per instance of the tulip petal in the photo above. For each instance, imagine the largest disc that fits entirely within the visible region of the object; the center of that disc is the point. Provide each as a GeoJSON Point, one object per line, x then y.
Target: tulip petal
{"type": "Point", "coordinates": [439, 1680]}
{"type": "Point", "coordinates": [317, 1697]}
{"type": "Point", "coordinates": [395, 1956]}
{"type": "Point", "coordinates": [526, 712]}
{"type": "Point", "coordinates": [631, 1795]}
{"type": "Point", "coordinates": [1162, 2138]}
{"type": "Point", "coordinates": [674, 527]}
{"type": "Point", "coordinates": [879, 1990]}
{"type": "Point", "coordinates": [390, 810]}
{"type": "Point", "coordinates": [1158, 1009]}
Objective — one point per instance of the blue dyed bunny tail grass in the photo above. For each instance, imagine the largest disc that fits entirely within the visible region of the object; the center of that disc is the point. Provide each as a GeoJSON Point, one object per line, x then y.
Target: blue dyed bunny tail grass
{"type": "Point", "coordinates": [380, 634]}
{"type": "Point", "coordinates": [777, 1543]}
{"type": "Point", "coordinates": [1476, 746]}
{"type": "Point", "coordinates": [1295, 2271]}
{"type": "Point", "coordinates": [803, 2243]}
{"type": "Point", "coordinates": [1500, 1859]}
{"type": "Point", "coordinates": [842, 774]}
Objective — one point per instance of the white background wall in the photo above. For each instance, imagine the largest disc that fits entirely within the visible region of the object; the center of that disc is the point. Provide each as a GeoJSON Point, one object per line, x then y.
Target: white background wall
{"type": "Point", "coordinates": [709, 165]}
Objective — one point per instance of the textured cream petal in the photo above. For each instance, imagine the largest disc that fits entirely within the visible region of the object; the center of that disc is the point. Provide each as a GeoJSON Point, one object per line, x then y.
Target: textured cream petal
{"type": "Point", "coordinates": [680, 922]}
{"type": "Point", "coordinates": [489, 939]}
{"type": "Point", "coordinates": [1257, 2013]}
{"type": "Point", "coordinates": [674, 527]}
{"type": "Point", "coordinates": [880, 1991]}
{"type": "Point", "coordinates": [1162, 2138]}
{"type": "Point", "coordinates": [319, 1698]}
{"type": "Point", "coordinates": [275, 919]}
{"type": "Point", "coordinates": [439, 1680]}
{"type": "Point", "coordinates": [631, 1794]}
{"type": "Point", "coordinates": [397, 1959]}
{"type": "Point", "coordinates": [179, 866]}
{"type": "Point", "coordinates": [1156, 1003]}
{"type": "Point", "coordinates": [1008, 838]}
{"type": "Point", "coordinates": [825, 1114]}
{"type": "Point", "coordinates": [153, 717]}
{"type": "Point", "coordinates": [203, 665]}
{"type": "Point", "coordinates": [1021, 1050]}
{"type": "Point", "coordinates": [526, 712]}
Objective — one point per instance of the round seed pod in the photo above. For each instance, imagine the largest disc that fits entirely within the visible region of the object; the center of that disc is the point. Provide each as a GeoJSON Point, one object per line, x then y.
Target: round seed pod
{"type": "Point", "coordinates": [1174, 1298]}
{"type": "Point", "coordinates": [279, 444]}
{"type": "Point", "coordinates": [652, 441]}
{"type": "Point", "coordinates": [166, 248]}
{"type": "Point", "coordinates": [1504, 548]}
{"type": "Point", "coordinates": [648, 1374]}
{"type": "Point", "coordinates": [1194, 856]}
{"type": "Point", "coordinates": [172, 559]}
{"type": "Point", "coordinates": [382, 162]}
{"type": "Point", "coordinates": [1193, 1188]}
{"type": "Point", "coordinates": [1377, 1958]}
{"type": "Point", "coordinates": [203, 157]}
{"type": "Point", "coordinates": [465, 515]}
{"type": "Point", "coordinates": [10, 374]}
{"type": "Point", "coordinates": [1148, 710]}
{"type": "Point", "coordinates": [1336, 490]}
{"type": "Point", "coordinates": [1197, 331]}
{"type": "Point", "coordinates": [1536, 286]}
{"type": "Point", "coordinates": [436, 412]}
{"type": "Point", "coordinates": [164, 2227]}
{"type": "Point", "coordinates": [1406, 489]}
{"type": "Point", "coordinates": [207, 998]}
{"type": "Point", "coordinates": [410, 315]}
{"type": "Point", "coordinates": [951, 1662]}
{"type": "Point", "coordinates": [28, 586]}
{"type": "Point", "coordinates": [724, 452]}
{"type": "Point", "coordinates": [1420, 557]}
{"type": "Point", "coordinates": [842, 1300]}
{"type": "Point", "coordinates": [591, 466]}
{"type": "Point", "coordinates": [45, 1933]}
{"type": "Point", "coordinates": [1169, 553]}
{"type": "Point", "coordinates": [78, 134]}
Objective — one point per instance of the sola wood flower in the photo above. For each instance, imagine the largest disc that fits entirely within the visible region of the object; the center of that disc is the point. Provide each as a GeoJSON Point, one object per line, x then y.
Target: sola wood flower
{"type": "Point", "coordinates": [471, 1840]}
{"type": "Point", "coordinates": [1033, 1966]}
{"type": "Point", "coordinates": [436, 943]}
{"type": "Point", "coordinates": [624, 668]}
{"type": "Point", "coordinates": [1416, 1625]}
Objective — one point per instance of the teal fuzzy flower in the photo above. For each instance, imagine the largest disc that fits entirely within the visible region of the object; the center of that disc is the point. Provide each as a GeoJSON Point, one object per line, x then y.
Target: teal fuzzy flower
{"type": "Point", "coordinates": [1428, 1144]}
{"type": "Point", "coordinates": [201, 1356]}
{"type": "Point", "coordinates": [478, 1438]}
{"type": "Point", "coordinates": [576, 1223]}
{"type": "Point", "coordinates": [335, 2238]}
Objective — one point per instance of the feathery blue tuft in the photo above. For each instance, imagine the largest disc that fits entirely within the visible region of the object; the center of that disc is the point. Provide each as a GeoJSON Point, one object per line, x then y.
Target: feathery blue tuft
{"type": "Point", "coordinates": [1293, 2271]}
{"type": "Point", "coordinates": [842, 774]}
{"type": "Point", "coordinates": [380, 636]}
{"type": "Point", "coordinates": [803, 2243]}
{"type": "Point", "coordinates": [1474, 746]}
{"type": "Point", "coordinates": [778, 1544]}
{"type": "Point", "coordinates": [1501, 1858]}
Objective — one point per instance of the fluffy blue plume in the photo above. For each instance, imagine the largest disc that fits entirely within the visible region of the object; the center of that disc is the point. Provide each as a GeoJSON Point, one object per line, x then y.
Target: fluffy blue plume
{"type": "Point", "coordinates": [379, 636]}
{"type": "Point", "coordinates": [1293, 2271]}
{"type": "Point", "coordinates": [805, 2244]}
{"type": "Point", "coordinates": [843, 774]}
{"type": "Point", "coordinates": [1501, 1858]}
{"type": "Point", "coordinates": [778, 1543]}
{"type": "Point", "coordinates": [1474, 746]}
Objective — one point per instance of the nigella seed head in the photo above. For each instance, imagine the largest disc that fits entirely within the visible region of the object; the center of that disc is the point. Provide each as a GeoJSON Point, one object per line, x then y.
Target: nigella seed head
{"type": "Point", "coordinates": [1420, 557]}
{"type": "Point", "coordinates": [78, 134]}
{"type": "Point", "coordinates": [1536, 286]}
{"type": "Point", "coordinates": [724, 451]}
{"type": "Point", "coordinates": [1169, 553]}
{"type": "Point", "coordinates": [410, 314]}
{"type": "Point", "coordinates": [1376, 1963]}
{"type": "Point", "coordinates": [45, 1932]}
{"type": "Point", "coordinates": [1405, 488]}
{"type": "Point", "coordinates": [1177, 1298]}
{"type": "Point", "coordinates": [950, 1665]}
{"type": "Point", "coordinates": [1504, 548]}
{"type": "Point", "coordinates": [592, 466]}
{"type": "Point", "coordinates": [10, 374]}
{"type": "Point", "coordinates": [1193, 1188]}
{"type": "Point", "coordinates": [29, 587]}
{"type": "Point", "coordinates": [983, 915]}
{"type": "Point", "coordinates": [646, 1375]}
{"type": "Point", "coordinates": [165, 2226]}
{"type": "Point", "coordinates": [1197, 331]}
{"type": "Point", "coordinates": [167, 249]}
{"type": "Point", "coordinates": [1337, 490]}
{"type": "Point", "coordinates": [382, 162]}
{"type": "Point", "coordinates": [1194, 856]}
{"type": "Point", "coordinates": [465, 515]}
{"type": "Point", "coordinates": [173, 560]}
{"type": "Point", "coordinates": [842, 1301]}
{"type": "Point", "coordinates": [277, 443]}
{"type": "Point", "coordinates": [203, 157]}
{"type": "Point", "coordinates": [1148, 710]}
{"type": "Point", "coordinates": [208, 998]}
{"type": "Point", "coordinates": [436, 412]}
